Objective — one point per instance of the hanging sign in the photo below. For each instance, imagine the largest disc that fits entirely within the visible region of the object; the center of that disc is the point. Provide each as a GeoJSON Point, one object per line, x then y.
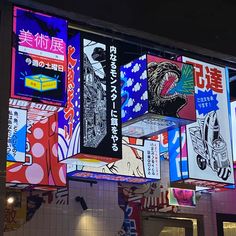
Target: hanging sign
{"type": "Point", "coordinates": [39, 57]}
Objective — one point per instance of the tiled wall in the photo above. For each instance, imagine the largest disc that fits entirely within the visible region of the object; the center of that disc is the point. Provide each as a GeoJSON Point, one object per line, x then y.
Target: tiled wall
{"type": "Point", "coordinates": [210, 204]}
{"type": "Point", "coordinates": [205, 208]}
{"type": "Point", "coordinates": [104, 217]}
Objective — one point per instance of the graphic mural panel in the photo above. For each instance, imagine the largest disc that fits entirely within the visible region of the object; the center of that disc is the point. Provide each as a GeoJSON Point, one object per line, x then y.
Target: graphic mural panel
{"type": "Point", "coordinates": [149, 197]}
{"type": "Point", "coordinates": [157, 95]}
{"type": "Point", "coordinates": [39, 57]}
{"type": "Point", "coordinates": [209, 140]}
{"type": "Point", "coordinates": [69, 117]}
{"type": "Point", "coordinates": [178, 154]}
{"type": "Point", "coordinates": [140, 163]}
{"type": "Point", "coordinates": [182, 197]}
{"type": "Point", "coordinates": [17, 127]}
{"type": "Point", "coordinates": [100, 103]}
{"type": "Point", "coordinates": [41, 166]}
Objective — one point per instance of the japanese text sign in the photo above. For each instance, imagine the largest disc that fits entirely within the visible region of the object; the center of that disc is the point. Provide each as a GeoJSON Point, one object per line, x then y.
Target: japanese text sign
{"type": "Point", "coordinates": [209, 141]}
{"type": "Point", "coordinates": [69, 117]}
{"type": "Point", "coordinates": [101, 99]}
{"type": "Point", "coordinates": [39, 57]}
{"type": "Point", "coordinates": [16, 142]}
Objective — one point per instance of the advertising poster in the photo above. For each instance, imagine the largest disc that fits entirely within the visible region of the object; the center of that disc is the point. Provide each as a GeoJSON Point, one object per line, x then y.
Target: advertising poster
{"type": "Point", "coordinates": [134, 89]}
{"type": "Point", "coordinates": [100, 91]}
{"type": "Point", "coordinates": [182, 197]}
{"type": "Point", "coordinates": [140, 160]}
{"type": "Point", "coordinates": [163, 144]}
{"type": "Point", "coordinates": [16, 141]}
{"type": "Point", "coordinates": [209, 140]}
{"type": "Point", "coordinates": [171, 88]}
{"type": "Point", "coordinates": [159, 86]}
{"type": "Point", "coordinates": [69, 117]}
{"type": "Point", "coordinates": [178, 158]}
{"type": "Point", "coordinates": [35, 111]}
{"type": "Point", "coordinates": [39, 57]}
{"type": "Point", "coordinates": [41, 166]}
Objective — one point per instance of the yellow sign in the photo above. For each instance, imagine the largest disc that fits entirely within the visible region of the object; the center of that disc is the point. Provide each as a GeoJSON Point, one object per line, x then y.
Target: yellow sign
{"type": "Point", "coordinates": [40, 82]}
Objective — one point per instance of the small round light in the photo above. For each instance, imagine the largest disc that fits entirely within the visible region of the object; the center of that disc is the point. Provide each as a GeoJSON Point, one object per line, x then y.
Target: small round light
{"type": "Point", "coordinates": [10, 200]}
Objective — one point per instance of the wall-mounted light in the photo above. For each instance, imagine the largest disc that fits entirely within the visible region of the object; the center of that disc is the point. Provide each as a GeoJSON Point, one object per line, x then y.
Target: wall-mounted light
{"type": "Point", "coordinates": [13, 197]}
{"type": "Point", "coordinates": [82, 202]}
{"type": "Point", "coordinates": [10, 200]}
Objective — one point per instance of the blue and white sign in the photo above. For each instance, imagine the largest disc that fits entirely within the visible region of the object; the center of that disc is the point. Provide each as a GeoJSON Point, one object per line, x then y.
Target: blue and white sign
{"type": "Point", "coordinates": [16, 141]}
{"type": "Point", "coordinates": [209, 139]}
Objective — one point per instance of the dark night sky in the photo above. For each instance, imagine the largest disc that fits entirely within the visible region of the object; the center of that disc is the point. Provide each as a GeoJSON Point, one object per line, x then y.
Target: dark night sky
{"type": "Point", "coordinates": [205, 23]}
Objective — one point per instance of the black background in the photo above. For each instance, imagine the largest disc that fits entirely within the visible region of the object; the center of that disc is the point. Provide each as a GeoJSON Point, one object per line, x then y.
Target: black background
{"type": "Point", "coordinates": [105, 146]}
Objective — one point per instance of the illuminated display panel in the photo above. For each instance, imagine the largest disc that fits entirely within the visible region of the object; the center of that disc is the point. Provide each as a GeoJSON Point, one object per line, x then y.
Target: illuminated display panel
{"type": "Point", "coordinates": [17, 126]}
{"type": "Point", "coordinates": [140, 163]}
{"type": "Point", "coordinates": [182, 197]}
{"type": "Point", "coordinates": [41, 166]}
{"type": "Point", "coordinates": [178, 158]}
{"type": "Point", "coordinates": [39, 57]}
{"type": "Point", "coordinates": [209, 139]}
{"type": "Point", "coordinates": [90, 125]}
{"type": "Point", "coordinates": [156, 91]}
{"type": "Point", "coordinates": [209, 153]}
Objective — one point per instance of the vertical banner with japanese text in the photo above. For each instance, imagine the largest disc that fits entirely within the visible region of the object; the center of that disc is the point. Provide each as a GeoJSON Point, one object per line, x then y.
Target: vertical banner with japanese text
{"type": "Point", "coordinates": [39, 57]}
{"type": "Point", "coordinates": [209, 140]}
{"type": "Point", "coordinates": [16, 142]}
{"type": "Point", "coordinates": [69, 117]}
{"type": "Point", "coordinates": [101, 99]}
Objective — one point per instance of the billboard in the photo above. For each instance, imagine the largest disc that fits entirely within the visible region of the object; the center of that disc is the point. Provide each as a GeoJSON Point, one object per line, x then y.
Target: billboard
{"type": "Point", "coordinates": [209, 140]}
{"type": "Point", "coordinates": [157, 95]}
{"type": "Point", "coordinates": [69, 117]}
{"type": "Point", "coordinates": [101, 99]}
{"type": "Point", "coordinates": [17, 127]}
{"type": "Point", "coordinates": [35, 111]}
{"type": "Point", "coordinates": [41, 166]}
{"type": "Point", "coordinates": [39, 57]}
{"type": "Point", "coordinates": [140, 163]}
{"type": "Point", "coordinates": [90, 125]}
{"type": "Point", "coordinates": [178, 158]}
{"type": "Point", "coordinates": [182, 197]}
